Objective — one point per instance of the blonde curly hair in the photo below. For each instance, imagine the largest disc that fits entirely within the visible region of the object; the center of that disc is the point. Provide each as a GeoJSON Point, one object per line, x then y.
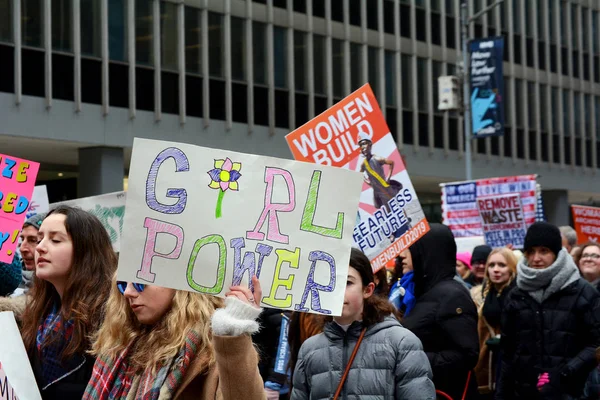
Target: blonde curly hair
{"type": "Point", "coordinates": [155, 345]}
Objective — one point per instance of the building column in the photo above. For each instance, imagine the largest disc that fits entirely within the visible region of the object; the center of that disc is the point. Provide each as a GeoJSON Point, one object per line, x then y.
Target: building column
{"type": "Point", "coordinates": [556, 206]}
{"type": "Point", "coordinates": [101, 170]}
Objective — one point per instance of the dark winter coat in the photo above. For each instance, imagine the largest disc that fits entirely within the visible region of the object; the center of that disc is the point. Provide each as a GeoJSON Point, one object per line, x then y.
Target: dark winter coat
{"type": "Point", "coordinates": [558, 336]}
{"type": "Point", "coordinates": [267, 343]}
{"type": "Point", "coordinates": [445, 317]}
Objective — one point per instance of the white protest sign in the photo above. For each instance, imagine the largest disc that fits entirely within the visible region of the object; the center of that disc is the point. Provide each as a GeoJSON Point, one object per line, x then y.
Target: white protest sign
{"type": "Point", "coordinates": [109, 208]}
{"type": "Point", "coordinates": [203, 219]}
{"type": "Point", "coordinates": [15, 368]}
{"type": "Point", "coordinates": [39, 201]}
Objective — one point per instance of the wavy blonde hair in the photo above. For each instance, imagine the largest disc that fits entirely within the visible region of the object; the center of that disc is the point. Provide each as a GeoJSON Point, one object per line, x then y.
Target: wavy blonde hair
{"type": "Point", "coordinates": [511, 262]}
{"type": "Point", "coordinates": [155, 345]}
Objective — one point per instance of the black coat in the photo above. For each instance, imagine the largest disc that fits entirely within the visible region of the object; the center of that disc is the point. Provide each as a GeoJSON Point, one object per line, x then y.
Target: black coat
{"type": "Point", "coordinates": [559, 336]}
{"type": "Point", "coordinates": [444, 317]}
{"type": "Point", "coordinates": [267, 341]}
{"type": "Point", "coordinates": [69, 387]}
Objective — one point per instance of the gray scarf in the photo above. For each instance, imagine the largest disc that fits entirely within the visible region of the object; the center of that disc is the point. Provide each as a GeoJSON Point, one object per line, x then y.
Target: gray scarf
{"type": "Point", "coordinates": [542, 283]}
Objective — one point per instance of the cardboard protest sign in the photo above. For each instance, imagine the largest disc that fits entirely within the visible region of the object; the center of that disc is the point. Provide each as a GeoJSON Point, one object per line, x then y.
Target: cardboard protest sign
{"type": "Point", "coordinates": [16, 376]}
{"type": "Point", "coordinates": [203, 219]}
{"type": "Point", "coordinates": [109, 208]}
{"type": "Point", "coordinates": [459, 201]}
{"type": "Point", "coordinates": [502, 218]}
{"type": "Point", "coordinates": [353, 134]}
{"type": "Point", "coordinates": [587, 223]}
{"type": "Point", "coordinates": [39, 201]}
{"type": "Point", "coordinates": [17, 179]}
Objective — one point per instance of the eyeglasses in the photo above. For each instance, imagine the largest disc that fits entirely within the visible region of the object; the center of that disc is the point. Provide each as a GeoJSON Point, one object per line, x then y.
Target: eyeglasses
{"type": "Point", "coordinates": [593, 256]}
{"type": "Point", "coordinates": [122, 286]}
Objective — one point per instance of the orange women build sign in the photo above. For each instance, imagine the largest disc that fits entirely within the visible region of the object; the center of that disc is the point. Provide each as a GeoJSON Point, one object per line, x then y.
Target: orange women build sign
{"type": "Point", "coordinates": [353, 135]}
{"type": "Point", "coordinates": [587, 223]}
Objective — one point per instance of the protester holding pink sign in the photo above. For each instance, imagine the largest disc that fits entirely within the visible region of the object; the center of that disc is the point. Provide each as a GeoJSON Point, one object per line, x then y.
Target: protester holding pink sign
{"type": "Point", "coordinates": [17, 179]}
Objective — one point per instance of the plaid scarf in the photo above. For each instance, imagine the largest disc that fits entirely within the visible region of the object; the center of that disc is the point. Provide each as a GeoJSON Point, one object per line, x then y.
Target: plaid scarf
{"type": "Point", "coordinates": [52, 337]}
{"type": "Point", "coordinates": [114, 379]}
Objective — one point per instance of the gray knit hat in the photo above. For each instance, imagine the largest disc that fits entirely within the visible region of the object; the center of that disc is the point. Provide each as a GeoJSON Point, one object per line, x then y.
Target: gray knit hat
{"type": "Point", "coordinates": [35, 221]}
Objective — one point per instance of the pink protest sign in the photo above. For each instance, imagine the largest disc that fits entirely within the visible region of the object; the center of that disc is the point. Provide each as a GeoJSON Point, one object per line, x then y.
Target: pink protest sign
{"type": "Point", "coordinates": [17, 179]}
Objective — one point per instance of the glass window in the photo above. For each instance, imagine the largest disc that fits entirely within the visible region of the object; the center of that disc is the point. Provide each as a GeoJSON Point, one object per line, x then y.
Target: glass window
{"type": "Point", "coordinates": [372, 17]}
{"type": "Point", "coordinates": [531, 101]}
{"type": "Point", "coordinates": [259, 52]}
{"type": "Point", "coordinates": [584, 28]}
{"type": "Point", "coordinates": [554, 112]}
{"type": "Point", "coordinates": [597, 112]}
{"type": "Point", "coordinates": [117, 31]}
{"type": "Point", "coordinates": [355, 14]}
{"type": "Point", "coordinates": [436, 70]}
{"type": "Point", "coordinates": [540, 20]}
{"type": "Point", "coordinates": [193, 40]}
{"type": "Point", "coordinates": [596, 43]}
{"type": "Point", "coordinates": [551, 30]}
{"type": "Point", "coordinates": [215, 44]}
{"type": "Point", "coordinates": [407, 79]}
{"type": "Point", "coordinates": [576, 114]}
{"type": "Point", "coordinates": [280, 56]}
{"type": "Point", "coordinates": [6, 21]}
{"type": "Point", "coordinates": [373, 57]}
{"type": "Point", "coordinates": [519, 101]}
{"type": "Point", "coordinates": [300, 60]}
{"type": "Point", "coordinates": [563, 23]}
{"type": "Point", "coordinates": [390, 78]}
{"type": "Point", "coordinates": [61, 25]}
{"type": "Point", "coordinates": [435, 5]}
{"type": "Point", "coordinates": [528, 20]}
{"type": "Point", "coordinates": [355, 66]}
{"type": "Point", "coordinates": [422, 83]}
{"type": "Point", "coordinates": [449, 7]}
{"type": "Point", "coordinates": [586, 115]}
{"type": "Point", "coordinates": [508, 101]}
{"type": "Point", "coordinates": [566, 125]}
{"type": "Point", "coordinates": [238, 49]}
{"type": "Point", "coordinates": [543, 107]}
{"type": "Point", "coordinates": [168, 35]}
{"type": "Point", "coordinates": [516, 15]}
{"type": "Point", "coordinates": [574, 27]}
{"type": "Point", "coordinates": [319, 63]}
{"type": "Point", "coordinates": [338, 67]}
{"type": "Point", "coordinates": [144, 48]}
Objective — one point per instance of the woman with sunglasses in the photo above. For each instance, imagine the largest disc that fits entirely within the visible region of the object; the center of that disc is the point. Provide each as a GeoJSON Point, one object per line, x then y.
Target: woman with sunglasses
{"type": "Point", "coordinates": [161, 343]}
{"type": "Point", "coordinates": [74, 264]}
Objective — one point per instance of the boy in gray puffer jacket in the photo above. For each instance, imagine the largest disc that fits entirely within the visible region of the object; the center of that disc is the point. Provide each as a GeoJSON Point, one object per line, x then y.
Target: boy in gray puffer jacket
{"type": "Point", "coordinates": [390, 362]}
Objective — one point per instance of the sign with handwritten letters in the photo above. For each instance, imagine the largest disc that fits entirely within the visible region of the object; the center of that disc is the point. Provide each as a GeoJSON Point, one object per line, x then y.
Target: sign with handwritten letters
{"type": "Point", "coordinates": [203, 219]}
{"type": "Point", "coordinates": [502, 220]}
{"type": "Point", "coordinates": [39, 201]}
{"type": "Point", "coordinates": [17, 179]}
{"type": "Point", "coordinates": [586, 221]}
{"type": "Point", "coordinates": [110, 210]}
{"type": "Point", "coordinates": [353, 135]}
{"type": "Point", "coordinates": [16, 376]}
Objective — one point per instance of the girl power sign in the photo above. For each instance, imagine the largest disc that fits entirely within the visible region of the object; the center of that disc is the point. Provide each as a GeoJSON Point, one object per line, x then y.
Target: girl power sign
{"type": "Point", "coordinates": [203, 219]}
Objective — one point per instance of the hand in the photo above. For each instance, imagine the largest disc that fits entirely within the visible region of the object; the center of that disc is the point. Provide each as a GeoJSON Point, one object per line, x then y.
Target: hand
{"type": "Point", "coordinates": [543, 379]}
{"type": "Point", "coordinates": [244, 294]}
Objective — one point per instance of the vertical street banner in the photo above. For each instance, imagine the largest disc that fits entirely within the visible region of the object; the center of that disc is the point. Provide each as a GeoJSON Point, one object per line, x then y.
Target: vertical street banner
{"type": "Point", "coordinates": [502, 220]}
{"type": "Point", "coordinates": [587, 223]}
{"type": "Point", "coordinates": [203, 220]}
{"type": "Point", "coordinates": [487, 86]}
{"type": "Point", "coordinates": [353, 135]}
{"type": "Point", "coordinates": [461, 211]}
{"type": "Point", "coordinates": [17, 180]}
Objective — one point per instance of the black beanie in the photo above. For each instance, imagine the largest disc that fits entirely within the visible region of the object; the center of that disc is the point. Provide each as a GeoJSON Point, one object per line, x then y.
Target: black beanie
{"type": "Point", "coordinates": [480, 253]}
{"type": "Point", "coordinates": [543, 234]}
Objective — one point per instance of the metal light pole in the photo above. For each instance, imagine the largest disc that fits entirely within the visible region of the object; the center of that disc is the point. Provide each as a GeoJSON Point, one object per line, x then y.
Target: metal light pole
{"type": "Point", "coordinates": [465, 21]}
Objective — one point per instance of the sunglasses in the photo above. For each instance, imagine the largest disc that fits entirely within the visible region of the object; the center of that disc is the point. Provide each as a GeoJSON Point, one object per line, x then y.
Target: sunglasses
{"type": "Point", "coordinates": [139, 287]}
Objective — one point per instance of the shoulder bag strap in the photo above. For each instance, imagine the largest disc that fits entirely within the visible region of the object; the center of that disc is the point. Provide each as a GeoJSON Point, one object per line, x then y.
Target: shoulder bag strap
{"type": "Point", "coordinates": [345, 375]}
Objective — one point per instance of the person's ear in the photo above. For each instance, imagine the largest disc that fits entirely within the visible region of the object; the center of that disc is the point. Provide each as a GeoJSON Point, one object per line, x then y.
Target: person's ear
{"type": "Point", "coordinates": [368, 290]}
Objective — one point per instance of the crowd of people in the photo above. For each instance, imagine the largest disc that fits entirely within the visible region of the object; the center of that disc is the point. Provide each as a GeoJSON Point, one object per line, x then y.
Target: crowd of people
{"type": "Point", "coordinates": [492, 323]}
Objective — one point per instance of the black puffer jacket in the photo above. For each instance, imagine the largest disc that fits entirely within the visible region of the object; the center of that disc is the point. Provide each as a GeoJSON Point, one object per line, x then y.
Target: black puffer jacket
{"type": "Point", "coordinates": [445, 317]}
{"type": "Point", "coordinates": [559, 336]}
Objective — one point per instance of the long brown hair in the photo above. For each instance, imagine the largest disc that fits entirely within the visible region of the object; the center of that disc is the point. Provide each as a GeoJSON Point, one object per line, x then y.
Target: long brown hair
{"type": "Point", "coordinates": [86, 289]}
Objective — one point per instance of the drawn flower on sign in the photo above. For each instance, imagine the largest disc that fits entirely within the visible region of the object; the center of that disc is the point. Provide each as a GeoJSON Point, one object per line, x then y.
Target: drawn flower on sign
{"type": "Point", "coordinates": [224, 176]}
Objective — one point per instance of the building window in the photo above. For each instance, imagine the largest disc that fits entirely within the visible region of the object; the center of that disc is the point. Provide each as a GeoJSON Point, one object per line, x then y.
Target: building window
{"type": "Point", "coordinates": [566, 125]}
{"type": "Point", "coordinates": [597, 113]}
{"type": "Point", "coordinates": [193, 41]}
{"type": "Point", "coordinates": [531, 102]}
{"type": "Point", "coordinates": [554, 114]}
{"type": "Point", "coordinates": [144, 49]}
{"type": "Point", "coordinates": [422, 84]}
{"type": "Point", "coordinates": [355, 66]}
{"type": "Point", "coordinates": [407, 79]}
{"type": "Point", "coordinates": [280, 56]}
{"type": "Point", "coordinates": [337, 11]}
{"type": "Point", "coordinates": [168, 35]}
{"type": "Point", "coordinates": [595, 41]}
{"type": "Point", "coordinates": [238, 49]}
{"type": "Point", "coordinates": [390, 78]}
{"type": "Point", "coordinates": [584, 28]}
{"type": "Point", "coordinates": [215, 45]}
{"type": "Point", "coordinates": [519, 102]}
{"type": "Point", "coordinates": [372, 18]}
{"type": "Point", "coordinates": [388, 17]}
{"type": "Point", "coordinates": [436, 71]}
{"type": "Point", "coordinates": [319, 63]}
{"type": "Point", "coordinates": [540, 19]}
{"type": "Point", "coordinates": [259, 52]}
{"type": "Point", "coordinates": [355, 14]}
{"type": "Point", "coordinates": [586, 115]}
{"type": "Point", "coordinates": [373, 56]}
{"type": "Point", "coordinates": [300, 61]}
{"type": "Point", "coordinates": [338, 67]}
{"type": "Point", "coordinates": [574, 27]}
{"type": "Point", "coordinates": [550, 14]}
{"type": "Point", "coordinates": [508, 101]}
{"type": "Point", "coordinates": [543, 107]}
{"type": "Point", "coordinates": [61, 25]}
{"type": "Point", "coordinates": [117, 31]}
{"type": "Point", "coordinates": [576, 115]}
{"type": "Point", "coordinates": [563, 23]}
{"type": "Point", "coordinates": [6, 21]}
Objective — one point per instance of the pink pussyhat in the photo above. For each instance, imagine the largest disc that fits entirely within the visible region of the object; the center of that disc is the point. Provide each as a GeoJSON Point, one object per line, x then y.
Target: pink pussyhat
{"type": "Point", "coordinates": [465, 258]}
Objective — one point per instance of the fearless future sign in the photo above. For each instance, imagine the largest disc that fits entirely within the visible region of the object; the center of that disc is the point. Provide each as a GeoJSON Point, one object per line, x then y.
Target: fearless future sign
{"type": "Point", "coordinates": [203, 219]}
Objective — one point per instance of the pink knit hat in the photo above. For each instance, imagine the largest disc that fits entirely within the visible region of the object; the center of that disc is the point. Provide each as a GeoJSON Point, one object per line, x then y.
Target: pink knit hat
{"type": "Point", "coordinates": [465, 258]}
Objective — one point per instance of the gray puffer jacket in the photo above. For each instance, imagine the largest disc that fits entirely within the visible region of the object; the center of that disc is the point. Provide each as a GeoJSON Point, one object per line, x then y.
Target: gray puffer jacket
{"type": "Point", "coordinates": [390, 364]}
